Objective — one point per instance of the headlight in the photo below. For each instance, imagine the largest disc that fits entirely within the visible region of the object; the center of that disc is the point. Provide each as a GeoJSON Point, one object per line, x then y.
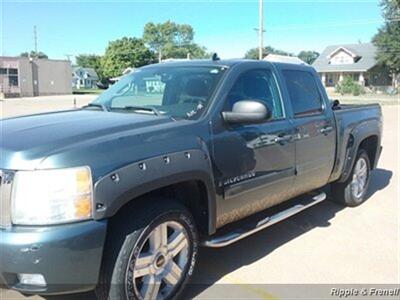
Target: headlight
{"type": "Point", "coordinates": [52, 196]}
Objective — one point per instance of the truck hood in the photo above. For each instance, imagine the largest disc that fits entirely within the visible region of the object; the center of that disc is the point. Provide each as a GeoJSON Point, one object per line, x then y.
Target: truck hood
{"type": "Point", "coordinates": [26, 141]}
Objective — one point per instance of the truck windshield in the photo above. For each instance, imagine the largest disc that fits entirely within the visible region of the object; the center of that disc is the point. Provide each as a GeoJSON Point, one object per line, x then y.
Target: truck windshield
{"type": "Point", "coordinates": [177, 92]}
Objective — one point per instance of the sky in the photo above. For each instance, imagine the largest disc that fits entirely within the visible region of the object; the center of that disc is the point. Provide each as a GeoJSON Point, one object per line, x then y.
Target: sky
{"type": "Point", "coordinates": [223, 26]}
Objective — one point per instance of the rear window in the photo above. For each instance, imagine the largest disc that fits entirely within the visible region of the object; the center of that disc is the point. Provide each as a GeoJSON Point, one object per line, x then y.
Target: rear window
{"type": "Point", "coordinates": [303, 92]}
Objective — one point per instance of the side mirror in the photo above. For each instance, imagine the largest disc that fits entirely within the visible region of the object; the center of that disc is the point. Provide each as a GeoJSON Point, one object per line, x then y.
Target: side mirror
{"type": "Point", "coordinates": [335, 104]}
{"type": "Point", "coordinates": [247, 111]}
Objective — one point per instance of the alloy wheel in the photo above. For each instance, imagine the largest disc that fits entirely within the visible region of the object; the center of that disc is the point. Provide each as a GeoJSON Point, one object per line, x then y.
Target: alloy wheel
{"type": "Point", "coordinates": [161, 262]}
{"type": "Point", "coordinates": [360, 177]}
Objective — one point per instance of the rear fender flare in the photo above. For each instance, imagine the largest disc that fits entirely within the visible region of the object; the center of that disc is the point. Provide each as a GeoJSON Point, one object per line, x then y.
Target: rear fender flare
{"type": "Point", "coordinates": [359, 134]}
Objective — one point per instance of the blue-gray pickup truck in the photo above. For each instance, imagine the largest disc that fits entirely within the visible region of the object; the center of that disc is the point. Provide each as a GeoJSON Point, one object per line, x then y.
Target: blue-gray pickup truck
{"type": "Point", "coordinates": [116, 197]}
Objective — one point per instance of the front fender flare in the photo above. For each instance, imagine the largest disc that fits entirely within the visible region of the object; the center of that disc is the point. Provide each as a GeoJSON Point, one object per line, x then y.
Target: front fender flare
{"type": "Point", "coordinates": [114, 190]}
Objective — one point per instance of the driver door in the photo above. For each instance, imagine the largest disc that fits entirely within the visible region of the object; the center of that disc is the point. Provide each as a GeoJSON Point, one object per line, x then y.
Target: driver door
{"type": "Point", "coordinates": [254, 163]}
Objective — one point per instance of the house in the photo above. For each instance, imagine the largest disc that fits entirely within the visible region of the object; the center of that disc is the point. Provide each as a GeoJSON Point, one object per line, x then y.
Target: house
{"type": "Point", "coordinates": [29, 77]}
{"type": "Point", "coordinates": [355, 60]}
{"type": "Point", "coordinates": [84, 78]}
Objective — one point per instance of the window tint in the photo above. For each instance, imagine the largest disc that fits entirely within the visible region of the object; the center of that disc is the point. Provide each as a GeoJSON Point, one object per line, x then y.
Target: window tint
{"type": "Point", "coordinates": [303, 92]}
{"type": "Point", "coordinates": [256, 85]}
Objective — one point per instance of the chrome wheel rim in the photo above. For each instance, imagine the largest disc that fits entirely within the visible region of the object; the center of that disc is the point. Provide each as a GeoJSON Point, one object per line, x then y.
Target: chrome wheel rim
{"type": "Point", "coordinates": [360, 176]}
{"type": "Point", "coordinates": [160, 264]}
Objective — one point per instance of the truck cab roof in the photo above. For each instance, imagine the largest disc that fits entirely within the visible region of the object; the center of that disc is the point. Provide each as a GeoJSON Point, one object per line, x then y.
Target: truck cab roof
{"type": "Point", "coordinates": [229, 63]}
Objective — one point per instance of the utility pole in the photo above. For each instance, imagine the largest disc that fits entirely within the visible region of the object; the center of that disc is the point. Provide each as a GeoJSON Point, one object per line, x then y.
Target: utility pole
{"type": "Point", "coordinates": [35, 38]}
{"type": "Point", "coordinates": [260, 29]}
{"type": "Point", "coordinates": [68, 56]}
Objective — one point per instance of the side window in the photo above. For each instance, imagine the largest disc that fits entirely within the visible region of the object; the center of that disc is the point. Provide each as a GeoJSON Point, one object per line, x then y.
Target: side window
{"type": "Point", "coordinates": [303, 91]}
{"type": "Point", "coordinates": [256, 85]}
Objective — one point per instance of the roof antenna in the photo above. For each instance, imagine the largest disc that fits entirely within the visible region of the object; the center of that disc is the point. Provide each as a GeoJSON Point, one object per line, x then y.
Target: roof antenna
{"type": "Point", "coordinates": [215, 57]}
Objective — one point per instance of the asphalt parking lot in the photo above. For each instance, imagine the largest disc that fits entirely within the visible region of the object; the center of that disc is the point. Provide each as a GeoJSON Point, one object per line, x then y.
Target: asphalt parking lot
{"type": "Point", "coordinates": [326, 244]}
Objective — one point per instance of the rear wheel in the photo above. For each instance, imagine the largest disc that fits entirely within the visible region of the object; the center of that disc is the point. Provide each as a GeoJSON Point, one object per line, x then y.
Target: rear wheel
{"type": "Point", "coordinates": [352, 192]}
{"type": "Point", "coordinates": [156, 257]}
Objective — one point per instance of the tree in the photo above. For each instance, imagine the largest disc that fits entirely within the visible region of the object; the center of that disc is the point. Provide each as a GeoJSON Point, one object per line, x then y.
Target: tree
{"type": "Point", "coordinates": [387, 39]}
{"type": "Point", "coordinates": [172, 40]}
{"type": "Point", "coordinates": [34, 54]}
{"type": "Point", "coordinates": [90, 61]}
{"type": "Point", "coordinates": [308, 56]}
{"type": "Point", "coordinates": [123, 53]}
{"type": "Point", "coordinates": [253, 53]}
{"type": "Point", "coordinates": [192, 50]}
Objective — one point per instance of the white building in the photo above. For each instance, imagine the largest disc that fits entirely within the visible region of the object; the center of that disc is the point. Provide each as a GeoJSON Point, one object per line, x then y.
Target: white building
{"type": "Point", "coordinates": [84, 78]}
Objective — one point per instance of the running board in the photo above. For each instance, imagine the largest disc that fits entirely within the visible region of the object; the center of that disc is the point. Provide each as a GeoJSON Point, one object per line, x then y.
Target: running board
{"type": "Point", "coordinates": [238, 234]}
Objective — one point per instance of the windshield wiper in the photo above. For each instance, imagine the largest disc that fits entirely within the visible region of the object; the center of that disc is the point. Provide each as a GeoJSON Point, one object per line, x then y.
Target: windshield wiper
{"type": "Point", "coordinates": [146, 108]}
{"type": "Point", "coordinates": [102, 106]}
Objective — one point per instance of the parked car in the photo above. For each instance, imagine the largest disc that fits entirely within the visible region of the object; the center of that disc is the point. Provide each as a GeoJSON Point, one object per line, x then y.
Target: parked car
{"type": "Point", "coordinates": [117, 196]}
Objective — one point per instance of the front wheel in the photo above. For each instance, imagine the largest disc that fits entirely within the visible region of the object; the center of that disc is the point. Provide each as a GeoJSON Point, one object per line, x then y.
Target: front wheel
{"type": "Point", "coordinates": [156, 257]}
{"type": "Point", "coordinates": [353, 191]}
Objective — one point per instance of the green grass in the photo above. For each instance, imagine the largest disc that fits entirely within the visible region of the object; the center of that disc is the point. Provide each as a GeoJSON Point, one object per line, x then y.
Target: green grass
{"type": "Point", "coordinates": [381, 99]}
{"type": "Point", "coordinates": [86, 91]}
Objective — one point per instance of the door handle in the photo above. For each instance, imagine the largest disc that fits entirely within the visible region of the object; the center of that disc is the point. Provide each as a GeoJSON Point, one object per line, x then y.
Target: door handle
{"type": "Point", "coordinates": [326, 130]}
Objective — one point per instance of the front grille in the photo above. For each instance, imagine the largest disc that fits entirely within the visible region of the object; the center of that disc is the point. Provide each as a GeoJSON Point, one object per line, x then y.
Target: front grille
{"type": "Point", "coordinates": [6, 178]}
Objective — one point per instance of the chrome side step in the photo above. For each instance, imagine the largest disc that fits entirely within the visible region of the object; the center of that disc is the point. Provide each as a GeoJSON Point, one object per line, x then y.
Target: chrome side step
{"type": "Point", "coordinates": [234, 236]}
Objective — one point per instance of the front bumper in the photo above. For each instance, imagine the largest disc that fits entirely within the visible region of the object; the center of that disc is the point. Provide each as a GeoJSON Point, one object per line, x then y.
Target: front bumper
{"type": "Point", "coordinates": [67, 256]}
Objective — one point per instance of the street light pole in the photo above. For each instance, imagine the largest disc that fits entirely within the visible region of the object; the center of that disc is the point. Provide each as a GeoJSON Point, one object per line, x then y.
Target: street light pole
{"type": "Point", "coordinates": [260, 29]}
{"type": "Point", "coordinates": [35, 40]}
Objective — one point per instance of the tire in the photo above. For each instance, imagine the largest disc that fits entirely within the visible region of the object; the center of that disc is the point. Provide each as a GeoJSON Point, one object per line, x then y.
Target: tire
{"type": "Point", "coordinates": [145, 250]}
{"type": "Point", "coordinates": [353, 191]}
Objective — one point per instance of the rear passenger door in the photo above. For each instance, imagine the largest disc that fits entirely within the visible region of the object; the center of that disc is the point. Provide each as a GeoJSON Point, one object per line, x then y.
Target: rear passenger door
{"type": "Point", "coordinates": [314, 130]}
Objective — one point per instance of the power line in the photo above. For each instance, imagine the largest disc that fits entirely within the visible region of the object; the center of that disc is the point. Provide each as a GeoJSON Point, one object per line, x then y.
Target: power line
{"type": "Point", "coordinates": [189, 1]}
{"type": "Point", "coordinates": [332, 24]}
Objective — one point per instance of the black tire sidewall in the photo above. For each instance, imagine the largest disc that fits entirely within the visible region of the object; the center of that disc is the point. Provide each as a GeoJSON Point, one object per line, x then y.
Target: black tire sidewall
{"type": "Point", "coordinates": [119, 287]}
{"type": "Point", "coordinates": [350, 199]}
